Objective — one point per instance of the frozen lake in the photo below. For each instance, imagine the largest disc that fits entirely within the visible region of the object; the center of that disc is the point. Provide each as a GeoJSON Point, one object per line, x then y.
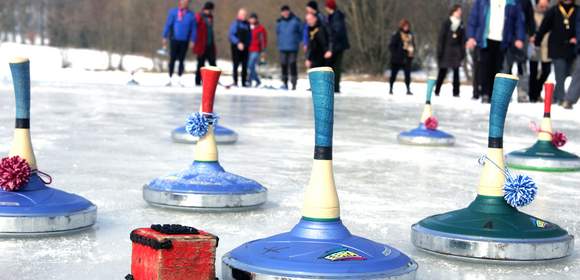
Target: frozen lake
{"type": "Point", "coordinates": [103, 140]}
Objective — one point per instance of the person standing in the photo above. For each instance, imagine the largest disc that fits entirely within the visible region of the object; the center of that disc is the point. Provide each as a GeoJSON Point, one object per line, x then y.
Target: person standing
{"type": "Point", "coordinates": [289, 34]}
{"type": "Point", "coordinates": [402, 47]}
{"type": "Point", "coordinates": [560, 22]}
{"type": "Point", "coordinates": [180, 33]}
{"type": "Point", "coordinates": [519, 57]}
{"type": "Point", "coordinates": [573, 94]}
{"type": "Point", "coordinates": [476, 93]}
{"type": "Point", "coordinates": [257, 45]}
{"type": "Point", "coordinates": [339, 41]}
{"type": "Point", "coordinates": [493, 26]}
{"type": "Point", "coordinates": [205, 41]}
{"type": "Point", "coordinates": [451, 49]}
{"type": "Point", "coordinates": [539, 56]}
{"type": "Point", "coordinates": [311, 8]}
{"type": "Point", "coordinates": [240, 37]}
{"type": "Point", "coordinates": [319, 42]}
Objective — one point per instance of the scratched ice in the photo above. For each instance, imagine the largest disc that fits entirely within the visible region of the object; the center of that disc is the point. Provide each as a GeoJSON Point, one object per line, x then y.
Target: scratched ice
{"type": "Point", "coordinates": [102, 139]}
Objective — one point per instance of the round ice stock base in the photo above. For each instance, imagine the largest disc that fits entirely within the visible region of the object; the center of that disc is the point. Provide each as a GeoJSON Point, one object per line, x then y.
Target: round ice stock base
{"type": "Point", "coordinates": [490, 229]}
{"type": "Point", "coordinates": [317, 250]}
{"type": "Point", "coordinates": [223, 135]}
{"type": "Point", "coordinates": [37, 210]}
{"type": "Point", "coordinates": [426, 137]}
{"type": "Point", "coordinates": [543, 156]}
{"type": "Point", "coordinates": [205, 186]}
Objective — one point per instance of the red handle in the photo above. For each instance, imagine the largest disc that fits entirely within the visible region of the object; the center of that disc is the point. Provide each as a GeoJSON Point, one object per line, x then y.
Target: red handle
{"type": "Point", "coordinates": [210, 77]}
{"type": "Point", "coordinates": [549, 91]}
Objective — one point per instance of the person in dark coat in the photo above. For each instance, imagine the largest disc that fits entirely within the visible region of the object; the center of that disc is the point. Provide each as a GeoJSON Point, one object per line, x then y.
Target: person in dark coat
{"type": "Point", "coordinates": [339, 40]}
{"type": "Point", "coordinates": [311, 8]}
{"type": "Point", "coordinates": [519, 56]}
{"type": "Point", "coordinates": [573, 93]}
{"type": "Point", "coordinates": [493, 26]}
{"type": "Point", "coordinates": [319, 42]}
{"type": "Point", "coordinates": [402, 47]}
{"type": "Point", "coordinates": [539, 59]}
{"type": "Point", "coordinates": [451, 49]}
{"type": "Point", "coordinates": [205, 42]}
{"type": "Point", "coordinates": [559, 21]}
{"type": "Point", "coordinates": [289, 33]}
{"type": "Point", "coordinates": [240, 36]}
{"type": "Point", "coordinates": [180, 32]}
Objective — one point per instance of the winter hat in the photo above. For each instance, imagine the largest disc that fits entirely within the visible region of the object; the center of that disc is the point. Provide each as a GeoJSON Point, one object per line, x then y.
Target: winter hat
{"type": "Point", "coordinates": [208, 5]}
{"type": "Point", "coordinates": [254, 15]}
{"type": "Point", "coordinates": [331, 4]}
{"type": "Point", "coordinates": [313, 5]}
{"type": "Point", "coordinates": [285, 8]}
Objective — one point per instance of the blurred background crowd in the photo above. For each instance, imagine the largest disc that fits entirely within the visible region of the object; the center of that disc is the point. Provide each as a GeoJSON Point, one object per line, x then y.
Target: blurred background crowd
{"type": "Point", "coordinates": [467, 40]}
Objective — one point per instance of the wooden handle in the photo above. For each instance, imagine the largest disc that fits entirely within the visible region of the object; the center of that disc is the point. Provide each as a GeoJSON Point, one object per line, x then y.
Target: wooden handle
{"type": "Point", "coordinates": [549, 92]}
{"type": "Point", "coordinates": [503, 88]}
{"type": "Point", "coordinates": [20, 68]}
{"type": "Point", "coordinates": [210, 77]}
{"type": "Point", "coordinates": [322, 85]}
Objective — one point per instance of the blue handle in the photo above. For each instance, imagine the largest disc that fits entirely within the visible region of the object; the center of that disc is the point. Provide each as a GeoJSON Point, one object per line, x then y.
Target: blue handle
{"type": "Point", "coordinates": [322, 85]}
{"type": "Point", "coordinates": [21, 80]}
{"type": "Point", "coordinates": [503, 88]}
{"type": "Point", "coordinates": [430, 87]}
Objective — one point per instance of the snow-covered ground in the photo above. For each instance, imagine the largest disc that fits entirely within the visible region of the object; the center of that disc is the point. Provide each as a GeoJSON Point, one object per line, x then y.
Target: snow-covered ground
{"type": "Point", "coordinates": [103, 140]}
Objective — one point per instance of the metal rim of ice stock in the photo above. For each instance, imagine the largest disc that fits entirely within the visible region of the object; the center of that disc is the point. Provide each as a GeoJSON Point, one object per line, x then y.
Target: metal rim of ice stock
{"type": "Point", "coordinates": [538, 163]}
{"type": "Point", "coordinates": [14, 226]}
{"type": "Point", "coordinates": [204, 201]}
{"type": "Point", "coordinates": [479, 249]}
{"type": "Point", "coordinates": [426, 141]}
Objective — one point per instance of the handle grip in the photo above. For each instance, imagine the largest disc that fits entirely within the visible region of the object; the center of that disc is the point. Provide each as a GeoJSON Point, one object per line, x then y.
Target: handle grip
{"type": "Point", "coordinates": [549, 92]}
{"type": "Point", "coordinates": [210, 77]}
{"type": "Point", "coordinates": [430, 86]}
{"type": "Point", "coordinates": [503, 88]}
{"type": "Point", "coordinates": [322, 85]}
{"type": "Point", "coordinates": [20, 68]}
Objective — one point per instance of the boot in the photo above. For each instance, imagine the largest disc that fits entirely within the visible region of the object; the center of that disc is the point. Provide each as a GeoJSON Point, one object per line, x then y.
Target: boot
{"type": "Point", "coordinates": [567, 105]}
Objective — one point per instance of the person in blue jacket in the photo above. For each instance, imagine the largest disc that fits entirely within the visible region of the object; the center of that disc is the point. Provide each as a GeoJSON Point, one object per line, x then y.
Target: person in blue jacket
{"type": "Point", "coordinates": [180, 31]}
{"type": "Point", "coordinates": [289, 33]}
{"type": "Point", "coordinates": [493, 26]}
{"type": "Point", "coordinates": [240, 36]}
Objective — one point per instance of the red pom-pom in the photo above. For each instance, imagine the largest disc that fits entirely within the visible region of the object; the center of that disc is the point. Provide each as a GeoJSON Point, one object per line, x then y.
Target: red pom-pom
{"type": "Point", "coordinates": [431, 123]}
{"type": "Point", "coordinates": [559, 139]}
{"type": "Point", "coordinates": [14, 173]}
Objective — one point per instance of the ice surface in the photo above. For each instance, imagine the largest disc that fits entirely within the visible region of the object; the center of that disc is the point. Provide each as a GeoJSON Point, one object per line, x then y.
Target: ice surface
{"type": "Point", "coordinates": [102, 139]}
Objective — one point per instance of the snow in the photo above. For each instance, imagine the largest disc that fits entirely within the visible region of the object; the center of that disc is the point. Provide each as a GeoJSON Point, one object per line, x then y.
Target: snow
{"type": "Point", "coordinates": [102, 139]}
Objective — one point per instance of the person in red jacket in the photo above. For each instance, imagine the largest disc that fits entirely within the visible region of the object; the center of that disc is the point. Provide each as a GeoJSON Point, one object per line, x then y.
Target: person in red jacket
{"type": "Point", "coordinates": [257, 46]}
{"type": "Point", "coordinates": [205, 41]}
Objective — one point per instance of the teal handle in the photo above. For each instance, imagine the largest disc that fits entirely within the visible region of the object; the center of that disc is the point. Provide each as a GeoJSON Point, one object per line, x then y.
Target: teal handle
{"type": "Point", "coordinates": [430, 86]}
{"type": "Point", "coordinates": [322, 86]}
{"type": "Point", "coordinates": [21, 80]}
{"type": "Point", "coordinates": [503, 88]}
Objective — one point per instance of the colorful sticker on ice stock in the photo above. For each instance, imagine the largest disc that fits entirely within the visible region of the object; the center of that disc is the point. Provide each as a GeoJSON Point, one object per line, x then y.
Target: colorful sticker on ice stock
{"type": "Point", "coordinates": [342, 254]}
{"type": "Point", "coordinates": [539, 223]}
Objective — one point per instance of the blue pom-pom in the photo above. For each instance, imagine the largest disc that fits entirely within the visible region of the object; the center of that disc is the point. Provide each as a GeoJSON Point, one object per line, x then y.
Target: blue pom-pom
{"type": "Point", "coordinates": [197, 124]}
{"type": "Point", "coordinates": [520, 191]}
